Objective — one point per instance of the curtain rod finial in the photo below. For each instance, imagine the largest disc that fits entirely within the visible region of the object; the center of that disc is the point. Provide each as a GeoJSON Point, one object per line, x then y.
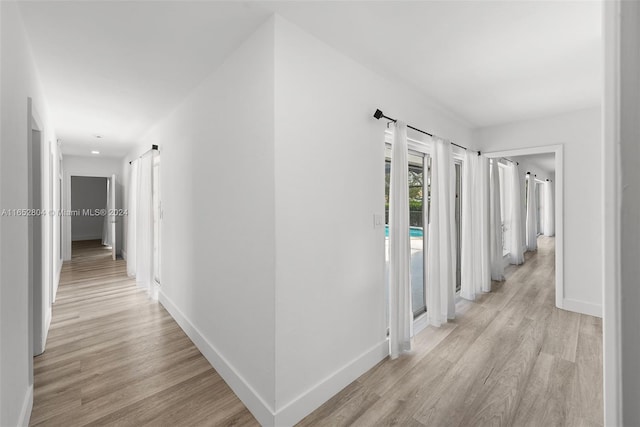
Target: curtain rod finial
{"type": "Point", "coordinates": [378, 114]}
{"type": "Point", "coordinates": [479, 153]}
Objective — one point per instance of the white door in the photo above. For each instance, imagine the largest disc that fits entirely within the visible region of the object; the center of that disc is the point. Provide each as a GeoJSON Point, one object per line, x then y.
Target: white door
{"type": "Point", "coordinates": [112, 215]}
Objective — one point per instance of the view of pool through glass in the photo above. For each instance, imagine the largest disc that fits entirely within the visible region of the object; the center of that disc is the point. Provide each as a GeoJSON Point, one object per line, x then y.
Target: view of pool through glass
{"type": "Point", "coordinates": [413, 231]}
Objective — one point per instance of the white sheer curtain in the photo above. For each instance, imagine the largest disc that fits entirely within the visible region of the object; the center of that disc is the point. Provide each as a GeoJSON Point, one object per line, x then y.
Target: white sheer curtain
{"type": "Point", "coordinates": [549, 212]}
{"type": "Point", "coordinates": [400, 313]}
{"type": "Point", "coordinates": [441, 247]}
{"type": "Point", "coordinates": [131, 218]}
{"type": "Point", "coordinates": [483, 245]}
{"type": "Point", "coordinates": [107, 239]}
{"type": "Point", "coordinates": [532, 214]}
{"type": "Point", "coordinates": [475, 269]}
{"type": "Point", "coordinates": [497, 267]}
{"type": "Point", "coordinates": [516, 254]}
{"type": "Point", "coordinates": [144, 226]}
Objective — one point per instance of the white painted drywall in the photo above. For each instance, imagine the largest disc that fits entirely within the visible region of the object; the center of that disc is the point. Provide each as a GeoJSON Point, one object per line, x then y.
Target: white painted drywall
{"type": "Point", "coordinates": [329, 157]}
{"type": "Point", "coordinates": [272, 170]}
{"type": "Point", "coordinates": [19, 81]}
{"type": "Point", "coordinates": [95, 166]}
{"type": "Point", "coordinates": [630, 210]}
{"type": "Point", "coordinates": [218, 224]}
{"type": "Point", "coordinates": [580, 133]}
{"type": "Point", "coordinates": [88, 194]}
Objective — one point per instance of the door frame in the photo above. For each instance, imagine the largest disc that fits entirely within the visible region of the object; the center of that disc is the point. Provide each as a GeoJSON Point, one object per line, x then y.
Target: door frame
{"type": "Point", "coordinates": [38, 313]}
{"type": "Point", "coordinates": [66, 235]}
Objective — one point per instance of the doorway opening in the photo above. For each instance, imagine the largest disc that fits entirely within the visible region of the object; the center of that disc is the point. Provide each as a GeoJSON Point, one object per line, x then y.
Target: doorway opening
{"type": "Point", "coordinates": [542, 168]}
{"type": "Point", "coordinates": [92, 214]}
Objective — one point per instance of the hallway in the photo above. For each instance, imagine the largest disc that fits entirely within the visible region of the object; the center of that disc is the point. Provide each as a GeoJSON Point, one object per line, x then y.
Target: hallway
{"type": "Point", "coordinates": [115, 357]}
{"type": "Point", "coordinates": [509, 359]}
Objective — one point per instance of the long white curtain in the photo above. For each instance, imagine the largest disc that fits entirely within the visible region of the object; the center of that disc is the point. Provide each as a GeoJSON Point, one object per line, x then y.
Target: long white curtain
{"type": "Point", "coordinates": [497, 267]}
{"type": "Point", "coordinates": [144, 226]}
{"type": "Point", "coordinates": [400, 313]}
{"type": "Point", "coordinates": [475, 268]}
{"type": "Point", "coordinates": [549, 212]}
{"type": "Point", "coordinates": [107, 239]}
{"type": "Point", "coordinates": [483, 245]}
{"type": "Point", "coordinates": [441, 246]}
{"type": "Point", "coordinates": [516, 254]}
{"type": "Point", "coordinates": [532, 214]}
{"type": "Point", "coordinates": [131, 218]}
{"type": "Point", "coordinates": [140, 224]}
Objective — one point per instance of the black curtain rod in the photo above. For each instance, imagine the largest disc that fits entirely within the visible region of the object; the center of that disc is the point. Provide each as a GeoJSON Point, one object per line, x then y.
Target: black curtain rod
{"type": "Point", "coordinates": [509, 160]}
{"type": "Point", "coordinates": [153, 147]}
{"type": "Point", "coordinates": [379, 114]}
{"type": "Point", "coordinates": [529, 173]}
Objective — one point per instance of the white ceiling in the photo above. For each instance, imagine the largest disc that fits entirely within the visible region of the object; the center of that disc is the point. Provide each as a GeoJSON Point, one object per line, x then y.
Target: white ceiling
{"type": "Point", "coordinates": [545, 163]}
{"type": "Point", "coordinates": [115, 68]}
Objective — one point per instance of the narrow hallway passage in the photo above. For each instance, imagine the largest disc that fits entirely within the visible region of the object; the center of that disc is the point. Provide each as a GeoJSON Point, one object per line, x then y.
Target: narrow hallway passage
{"type": "Point", "coordinates": [510, 358]}
{"type": "Point", "coordinates": [115, 357]}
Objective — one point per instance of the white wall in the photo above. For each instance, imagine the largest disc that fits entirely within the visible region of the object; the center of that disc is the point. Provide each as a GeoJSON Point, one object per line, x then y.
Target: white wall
{"type": "Point", "coordinates": [19, 81]}
{"type": "Point", "coordinates": [272, 170]}
{"type": "Point", "coordinates": [87, 194]}
{"type": "Point", "coordinates": [329, 157]}
{"type": "Point", "coordinates": [217, 174]}
{"type": "Point", "coordinates": [95, 166]}
{"type": "Point", "coordinates": [580, 133]}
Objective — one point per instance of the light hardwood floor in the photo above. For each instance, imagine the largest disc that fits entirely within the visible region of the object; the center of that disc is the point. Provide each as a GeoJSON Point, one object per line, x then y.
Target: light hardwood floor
{"type": "Point", "coordinates": [113, 357]}
{"type": "Point", "coordinates": [509, 359]}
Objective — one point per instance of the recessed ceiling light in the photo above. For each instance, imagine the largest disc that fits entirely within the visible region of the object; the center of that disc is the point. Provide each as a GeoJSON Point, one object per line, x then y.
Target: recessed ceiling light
{"type": "Point", "coordinates": [95, 152]}
{"type": "Point", "coordinates": [98, 136]}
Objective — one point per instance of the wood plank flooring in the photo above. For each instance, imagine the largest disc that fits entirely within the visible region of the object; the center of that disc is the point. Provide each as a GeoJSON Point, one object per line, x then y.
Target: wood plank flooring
{"type": "Point", "coordinates": [509, 359]}
{"type": "Point", "coordinates": [113, 357]}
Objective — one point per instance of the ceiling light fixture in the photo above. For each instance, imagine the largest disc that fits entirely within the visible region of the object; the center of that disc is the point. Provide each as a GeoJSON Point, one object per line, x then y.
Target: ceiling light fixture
{"type": "Point", "coordinates": [95, 152]}
{"type": "Point", "coordinates": [99, 136]}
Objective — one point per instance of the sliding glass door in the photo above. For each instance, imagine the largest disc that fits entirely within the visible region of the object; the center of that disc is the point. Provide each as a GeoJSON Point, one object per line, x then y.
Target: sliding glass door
{"type": "Point", "coordinates": [419, 179]}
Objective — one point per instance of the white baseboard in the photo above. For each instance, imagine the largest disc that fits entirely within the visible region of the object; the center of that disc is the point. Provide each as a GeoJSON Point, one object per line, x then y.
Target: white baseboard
{"type": "Point", "coordinates": [582, 307]}
{"type": "Point", "coordinates": [420, 323]}
{"type": "Point", "coordinates": [256, 405]}
{"type": "Point", "coordinates": [27, 406]}
{"type": "Point", "coordinates": [56, 282]}
{"type": "Point", "coordinates": [47, 324]}
{"type": "Point", "coordinates": [292, 412]}
{"type": "Point", "coordinates": [310, 400]}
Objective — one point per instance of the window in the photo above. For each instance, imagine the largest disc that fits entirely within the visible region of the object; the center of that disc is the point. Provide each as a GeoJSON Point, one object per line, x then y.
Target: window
{"type": "Point", "coordinates": [418, 186]}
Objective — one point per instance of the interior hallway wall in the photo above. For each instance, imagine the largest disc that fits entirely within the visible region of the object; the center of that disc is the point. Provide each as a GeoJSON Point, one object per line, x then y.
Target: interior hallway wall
{"type": "Point", "coordinates": [329, 155]}
{"type": "Point", "coordinates": [580, 133]}
{"type": "Point", "coordinates": [218, 257]}
{"type": "Point", "coordinates": [19, 81]}
{"type": "Point", "coordinates": [281, 249]}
